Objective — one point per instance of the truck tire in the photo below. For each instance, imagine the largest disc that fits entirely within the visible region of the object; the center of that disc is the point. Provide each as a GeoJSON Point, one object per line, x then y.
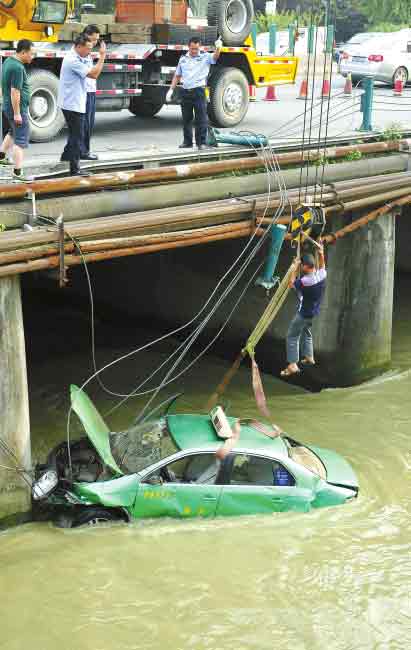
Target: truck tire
{"type": "Point", "coordinates": [229, 97]}
{"type": "Point", "coordinates": [232, 18]}
{"type": "Point", "coordinates": [45, 117]}
{"type": "Point", "coordinates": [144, 108]}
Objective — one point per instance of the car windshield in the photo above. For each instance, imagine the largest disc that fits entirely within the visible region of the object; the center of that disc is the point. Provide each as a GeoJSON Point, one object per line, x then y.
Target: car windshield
{"type": "Point", "coordinates": [141, 445]}
{"type": "Point", "coordinates": [305, 457]}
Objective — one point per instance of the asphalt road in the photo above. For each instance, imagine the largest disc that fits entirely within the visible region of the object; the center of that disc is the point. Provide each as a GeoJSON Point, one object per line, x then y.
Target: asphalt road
{"type": "Point", "coordinates": [283, 119]}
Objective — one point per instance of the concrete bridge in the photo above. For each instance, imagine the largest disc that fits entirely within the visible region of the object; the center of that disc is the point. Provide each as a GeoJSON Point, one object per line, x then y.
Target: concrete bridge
{"type": "Point", "coordinates": [352, 334]}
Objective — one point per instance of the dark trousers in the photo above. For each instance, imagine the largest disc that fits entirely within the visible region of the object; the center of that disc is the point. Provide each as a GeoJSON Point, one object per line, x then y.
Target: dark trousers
{"type": "Point", "coordinates": [194, 102]}
{"type": "Point", "coordinates": [88, 123]}
{"type": "Point", "coordinates": [72, 150]}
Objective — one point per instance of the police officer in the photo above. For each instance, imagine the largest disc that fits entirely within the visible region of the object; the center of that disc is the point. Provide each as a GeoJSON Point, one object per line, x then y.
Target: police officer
{"type": "Point", "coordinates": [192, 70]}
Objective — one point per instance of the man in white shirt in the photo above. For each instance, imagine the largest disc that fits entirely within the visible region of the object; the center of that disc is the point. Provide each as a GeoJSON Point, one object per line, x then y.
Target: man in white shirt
{"type": "Point", "coordinates": [93, 34]}
{"type": "Point", "coordinates": [192, 70]}
{"type": "Point", "coordinates": [72, 97]}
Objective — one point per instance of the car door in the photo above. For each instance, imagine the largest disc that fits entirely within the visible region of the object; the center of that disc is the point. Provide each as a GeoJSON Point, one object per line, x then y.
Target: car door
{"type": "Point", "coordinates": [183, 487]}
{"type": "Point", "coordinates": [256, 484]}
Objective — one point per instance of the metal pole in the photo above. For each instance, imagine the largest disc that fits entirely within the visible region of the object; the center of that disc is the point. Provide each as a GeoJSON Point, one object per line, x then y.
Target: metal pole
{"type": "Point", "coordinates": [1, 100]}
{"type": "Point", "coordinates": [366, 104]}
{"type": "Point", "coordinates": [277, 234]}
{"type": "Point", "coordinates": [273, 39]}
{"type": "Point", "coordinates": [291, 38]}
{"type": "Point", "coordinates": [310, 42]}
{"type": "Point", "coordinates": [254, 34]}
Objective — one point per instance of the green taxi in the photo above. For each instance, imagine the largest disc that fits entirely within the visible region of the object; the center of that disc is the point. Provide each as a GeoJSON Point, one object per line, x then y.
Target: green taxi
{"type": "Point", "coordinates": [171, 466]}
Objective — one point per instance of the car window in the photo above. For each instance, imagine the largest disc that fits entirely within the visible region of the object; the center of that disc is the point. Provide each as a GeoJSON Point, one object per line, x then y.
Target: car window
{"type": "Point", "coordinates": [195, 468]}
{"type": "Point", "coordinates": [255, 470]}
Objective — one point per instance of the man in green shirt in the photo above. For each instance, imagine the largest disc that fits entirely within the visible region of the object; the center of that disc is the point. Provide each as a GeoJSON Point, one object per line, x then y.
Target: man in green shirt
{"type": "Point", "coordinates": [16, 96]}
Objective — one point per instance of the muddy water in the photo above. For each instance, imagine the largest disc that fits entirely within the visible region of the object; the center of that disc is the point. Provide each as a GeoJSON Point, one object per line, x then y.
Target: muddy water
{"type": "Point", "coordinates": [335, 579]}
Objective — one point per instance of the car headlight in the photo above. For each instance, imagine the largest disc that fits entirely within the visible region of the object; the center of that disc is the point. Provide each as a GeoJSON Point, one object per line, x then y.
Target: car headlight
{"type": "Point", "coordinates": [45, 485]}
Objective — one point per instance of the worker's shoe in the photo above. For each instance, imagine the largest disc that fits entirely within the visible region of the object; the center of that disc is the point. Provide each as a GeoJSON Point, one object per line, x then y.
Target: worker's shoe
{"type": "Point", "coordinates": [89, 156]}
{"type": "Point", "coordinates": [76, 171]}
{"type": "Point", "coordinates": [22, 178]}
{"type": "Point", "coordinates": [185, 145]}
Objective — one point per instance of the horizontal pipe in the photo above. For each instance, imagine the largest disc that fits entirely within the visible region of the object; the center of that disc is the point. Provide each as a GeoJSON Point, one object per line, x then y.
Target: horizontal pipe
{"type": "Point", "coordinates": [88, 246]}
{"type": "Point", "coordinates": [207, 214]}
{"type": "Point", "coordinates": [96, 182]}
{"type": "Point", "coordinates": [104, 204]}
{"type": "Point", "coordinates": [75, 260]}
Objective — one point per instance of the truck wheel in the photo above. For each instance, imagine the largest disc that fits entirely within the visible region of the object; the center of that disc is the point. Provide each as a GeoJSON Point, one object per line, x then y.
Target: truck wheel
{"type": "Point", "coordinates": [143, 108]}
{"type": "Point", "coordinates": [233, 19]}
{"type": "Point", "coordinates": [45, 117]}
{"type": "Point", "coordinates": [228, 97]}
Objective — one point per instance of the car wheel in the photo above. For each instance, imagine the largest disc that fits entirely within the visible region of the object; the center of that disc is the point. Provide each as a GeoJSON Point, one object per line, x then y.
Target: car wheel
{"type": "Point", "coordinates": [228, 97]}
{"type": "Point", "coordinates": [95, 517]}
{"type": "Point", "coordinates": [232, 18]}
{"type": "Point", "coordinates": [45, 117]}
{"type": "Point", "coordinates": [401, 74]}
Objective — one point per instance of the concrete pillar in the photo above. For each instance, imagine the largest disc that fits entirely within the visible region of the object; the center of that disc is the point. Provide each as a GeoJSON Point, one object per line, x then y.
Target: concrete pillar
{"type": "Point", "coordinates": [14, 403]}
{"type": "Point", "coordinates": [353, 330]}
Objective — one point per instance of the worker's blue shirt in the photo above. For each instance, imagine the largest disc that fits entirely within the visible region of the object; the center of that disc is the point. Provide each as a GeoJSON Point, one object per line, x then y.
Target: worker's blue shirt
{"type": "Point", "coordinates": [194, 70]}
{"type": "Point", "coordinates": [310, 289]}
{"type": "Point", "coordinates": [72, 88]}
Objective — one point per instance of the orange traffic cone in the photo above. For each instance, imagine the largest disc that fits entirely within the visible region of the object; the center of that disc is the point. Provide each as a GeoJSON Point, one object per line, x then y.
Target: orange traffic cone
{"type": "Point", "coordinates": [303, 94]}
{"type": "Point", "coordinates": [270, 95]}
{"type": "Point", "coordinates": [398, 86]}
{"type": "Point", "coordinates": [325, 91]}
{"type": "Point", "coordinates": [348, 85]}
{"type": "Point", "coordinates": [252, 97]}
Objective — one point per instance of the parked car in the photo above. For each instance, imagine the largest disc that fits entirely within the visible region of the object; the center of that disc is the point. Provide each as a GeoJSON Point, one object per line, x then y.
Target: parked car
{"type": "Point", "coordinates": [352, 43]}
{"type": "Point", "coordinates": [168, 466]}
{"type": "Point", "coordinates": [385, 58]}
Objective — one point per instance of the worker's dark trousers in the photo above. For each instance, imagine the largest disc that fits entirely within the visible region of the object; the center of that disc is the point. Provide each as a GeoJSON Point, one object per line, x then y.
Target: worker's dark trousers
{"type": "Point", "coordinates": [194, 101]}
{"type": "Point", "coordinates": [72, 150]}
{"type": "Point", "coordinates": [88, 123]}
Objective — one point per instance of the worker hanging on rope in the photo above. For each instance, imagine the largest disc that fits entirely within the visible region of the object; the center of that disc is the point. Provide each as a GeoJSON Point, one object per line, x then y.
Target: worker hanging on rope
{"type": "Point", "coordinates": [310, 290]}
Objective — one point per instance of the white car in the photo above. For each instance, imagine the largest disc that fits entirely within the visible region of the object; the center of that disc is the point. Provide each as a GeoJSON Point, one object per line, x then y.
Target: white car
{"type": "Point", "coordinates": [386, 58]}
{"type": "Point", "coordinates": [353, 43]}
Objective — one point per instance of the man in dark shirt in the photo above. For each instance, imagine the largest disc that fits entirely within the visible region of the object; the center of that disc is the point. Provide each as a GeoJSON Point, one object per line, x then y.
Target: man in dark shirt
{"type": "Point", "coordinates": [16, 96]}
{"type": "Point", "coordinates": [310, 290]}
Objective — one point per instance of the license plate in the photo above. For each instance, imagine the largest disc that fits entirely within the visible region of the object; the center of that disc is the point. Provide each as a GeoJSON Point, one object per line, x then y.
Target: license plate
{"type": "Point", "coordinates": [359, 59]}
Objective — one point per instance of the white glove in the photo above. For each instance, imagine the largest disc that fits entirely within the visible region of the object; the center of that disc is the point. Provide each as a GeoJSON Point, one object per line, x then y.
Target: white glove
{"type": "Point", "coordinates": [169, 95]}
{"type": "Point", "coordinates": [218, 44]}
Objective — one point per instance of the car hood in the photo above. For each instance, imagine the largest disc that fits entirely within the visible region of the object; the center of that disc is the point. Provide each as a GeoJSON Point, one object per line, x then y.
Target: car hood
{"type": "Point", "coordinates": [339, 471]}
{"type": "Point", "coordinates": [94, 425]}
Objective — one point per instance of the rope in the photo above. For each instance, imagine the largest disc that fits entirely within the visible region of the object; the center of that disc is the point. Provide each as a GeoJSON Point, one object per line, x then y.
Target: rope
{"type": "Point", "coordinates": [259, 330]}
{"type": "Point", "coordinates": [269, 314]}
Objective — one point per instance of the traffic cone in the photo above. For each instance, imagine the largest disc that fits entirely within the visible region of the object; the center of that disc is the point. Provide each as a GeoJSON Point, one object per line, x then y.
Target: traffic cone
{"type": "Point", "coordinates": [398, 86]}
{"type": "Point", "coordinates": [325, 91]}
{"type": "Point", "coordinates": [252, 97]}
{"type": "Point", "coordinates": [270, 95]}
{"type": "Point", "coordinates": [348, 85]}
{"type": "Point", "coordinates": [303, 94]}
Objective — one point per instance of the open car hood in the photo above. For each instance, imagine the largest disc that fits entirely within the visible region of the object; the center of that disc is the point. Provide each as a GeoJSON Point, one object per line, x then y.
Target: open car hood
{"type": "Point", "coordinates": [94, 425]}
{"type": "Point", "coordinates": [339, 471]}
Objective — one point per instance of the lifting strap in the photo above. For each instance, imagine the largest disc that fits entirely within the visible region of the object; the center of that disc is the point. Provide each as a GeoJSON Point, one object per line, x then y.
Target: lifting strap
{"type": "Point", "coordinates": [263, 324]}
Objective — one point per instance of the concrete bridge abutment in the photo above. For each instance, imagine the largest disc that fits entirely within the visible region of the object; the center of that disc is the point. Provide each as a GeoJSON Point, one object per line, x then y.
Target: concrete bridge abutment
{"type": "Point", "coordinates": [14, 403]}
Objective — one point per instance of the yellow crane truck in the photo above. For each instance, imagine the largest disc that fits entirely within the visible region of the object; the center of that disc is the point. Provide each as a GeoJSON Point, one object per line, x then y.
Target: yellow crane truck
{"type": "Point", "coordinates": [136, 76]}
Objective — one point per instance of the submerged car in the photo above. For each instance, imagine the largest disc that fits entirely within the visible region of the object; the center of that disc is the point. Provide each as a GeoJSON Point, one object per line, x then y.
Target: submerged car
{"type": "Point", "coordinates": [170, 466]}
